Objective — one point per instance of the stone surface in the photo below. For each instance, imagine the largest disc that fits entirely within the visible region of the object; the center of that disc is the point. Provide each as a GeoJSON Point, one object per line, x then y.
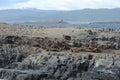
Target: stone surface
{"type": "Point", "coordinates": [88, 54]}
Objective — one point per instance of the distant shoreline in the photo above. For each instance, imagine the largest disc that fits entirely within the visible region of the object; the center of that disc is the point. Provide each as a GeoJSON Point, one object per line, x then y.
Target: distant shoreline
{"type": "Point", "coordinates": [105, 22]}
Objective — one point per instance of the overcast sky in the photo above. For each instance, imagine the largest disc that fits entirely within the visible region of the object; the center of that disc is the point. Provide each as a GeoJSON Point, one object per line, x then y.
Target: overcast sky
{"type": "Point", "coordinates": [59, 4]}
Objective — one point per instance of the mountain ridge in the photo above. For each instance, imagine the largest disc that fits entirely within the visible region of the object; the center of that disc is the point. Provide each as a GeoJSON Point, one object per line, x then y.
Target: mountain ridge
{"type": "Point", "coordinates": [84, 15]}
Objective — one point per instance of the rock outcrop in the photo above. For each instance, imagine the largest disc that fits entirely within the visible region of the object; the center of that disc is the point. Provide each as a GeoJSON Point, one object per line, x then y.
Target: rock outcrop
{"type": "Point", "coordinates": [64, 66]}
{"type": "Point", "coordinates": [89, 55]}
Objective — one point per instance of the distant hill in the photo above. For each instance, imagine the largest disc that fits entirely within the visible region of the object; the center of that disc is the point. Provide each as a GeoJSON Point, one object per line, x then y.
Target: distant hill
{"type": "Point", "coordinates": [85, 15]}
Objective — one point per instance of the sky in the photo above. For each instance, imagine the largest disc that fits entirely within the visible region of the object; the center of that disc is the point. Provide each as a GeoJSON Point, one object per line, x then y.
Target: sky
{"type": "Point", "coordinates": [59, 4]}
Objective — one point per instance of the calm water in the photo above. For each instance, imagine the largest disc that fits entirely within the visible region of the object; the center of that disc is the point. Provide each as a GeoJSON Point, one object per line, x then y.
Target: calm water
{"type": "Point", "coordinates": [112, 25]}
{"type": "Point", "coordinates": [95, 25]}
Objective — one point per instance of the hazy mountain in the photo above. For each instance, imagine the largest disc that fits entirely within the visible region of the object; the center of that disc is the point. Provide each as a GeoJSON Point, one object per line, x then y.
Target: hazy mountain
{"type": "Point", "coordinates": [85, 15]}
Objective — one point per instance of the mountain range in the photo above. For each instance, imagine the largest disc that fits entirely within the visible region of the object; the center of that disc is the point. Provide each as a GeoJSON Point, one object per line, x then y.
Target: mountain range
{"type": "Point", "coordinates": [85, 15]}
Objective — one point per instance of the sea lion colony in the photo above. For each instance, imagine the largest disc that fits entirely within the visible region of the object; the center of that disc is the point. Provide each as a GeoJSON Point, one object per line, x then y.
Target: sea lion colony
{"type": "Point", "coordinates": [33, 53]}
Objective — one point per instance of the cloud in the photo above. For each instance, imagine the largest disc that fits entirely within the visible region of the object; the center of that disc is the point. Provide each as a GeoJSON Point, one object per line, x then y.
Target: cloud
{"type": "Point", "coordinates": [4, 4]}
{"type": "Point", "coordinates": [67, 4]}
{"type": "Point", "coordinates": [10, 2]}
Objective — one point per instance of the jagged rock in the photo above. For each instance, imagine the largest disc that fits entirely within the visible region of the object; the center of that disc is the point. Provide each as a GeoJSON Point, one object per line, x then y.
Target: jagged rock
{"type": "Point", "coordinates": [98, 76]}
{"type": "Point", "coordinates": [108, 62]}
{"type": "Point", "coordinates": [62, 67]}
{"type": "Point", "coordinates": [32, 58]}
{"type": "Point", "coordinates": [67, 37]}
{"type": "Point", "coordinates": [11, 39]}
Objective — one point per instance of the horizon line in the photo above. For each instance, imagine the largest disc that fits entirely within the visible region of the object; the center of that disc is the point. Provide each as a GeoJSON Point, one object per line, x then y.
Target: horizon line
{"type": "Point", "coordinates": [57, 10]}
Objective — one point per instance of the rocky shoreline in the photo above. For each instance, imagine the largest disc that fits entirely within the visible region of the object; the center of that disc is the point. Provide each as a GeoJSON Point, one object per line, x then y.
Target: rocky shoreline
{"type": "Point", "coordinates": [33, 53]}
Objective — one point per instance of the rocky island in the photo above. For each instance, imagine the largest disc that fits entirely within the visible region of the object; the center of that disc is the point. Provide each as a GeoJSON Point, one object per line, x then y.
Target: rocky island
{"type": "Point", "coordinates": [59, 53]}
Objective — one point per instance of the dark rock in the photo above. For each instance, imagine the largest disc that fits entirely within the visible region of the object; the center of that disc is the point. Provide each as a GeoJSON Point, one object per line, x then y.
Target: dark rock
{"type": "Point", "coordinates": [66, 37]}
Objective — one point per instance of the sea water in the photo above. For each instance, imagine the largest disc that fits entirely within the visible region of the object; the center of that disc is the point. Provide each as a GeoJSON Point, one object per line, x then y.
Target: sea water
{"type": "Point", "coordinates": [84, 25]}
